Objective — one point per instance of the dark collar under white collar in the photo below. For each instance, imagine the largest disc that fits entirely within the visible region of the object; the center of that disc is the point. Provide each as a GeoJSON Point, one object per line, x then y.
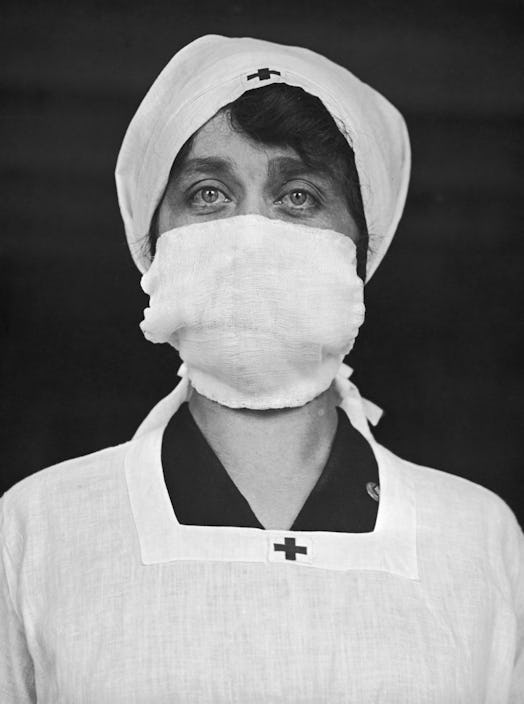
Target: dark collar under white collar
{"type": "Point", "coordinates": [391, 547]}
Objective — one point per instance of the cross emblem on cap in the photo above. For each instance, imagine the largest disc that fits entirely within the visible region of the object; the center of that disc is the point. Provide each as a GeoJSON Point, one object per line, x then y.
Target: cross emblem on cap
{"type": "Point", "coordinates": [290, 548]}
{"type": "Point", "coordinates": [264, 74]}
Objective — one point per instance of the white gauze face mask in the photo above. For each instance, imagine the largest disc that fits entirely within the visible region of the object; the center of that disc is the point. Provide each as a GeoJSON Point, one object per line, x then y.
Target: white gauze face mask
{"type": "Point", "coordinates": [261, 311]}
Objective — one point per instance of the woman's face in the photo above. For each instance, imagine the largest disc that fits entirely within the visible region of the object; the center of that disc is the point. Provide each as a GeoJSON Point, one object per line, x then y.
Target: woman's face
{"type": "Point", "coordinates": [227, 174]}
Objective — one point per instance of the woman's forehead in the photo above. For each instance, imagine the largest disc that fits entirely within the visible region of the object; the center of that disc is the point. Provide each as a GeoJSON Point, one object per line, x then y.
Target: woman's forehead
{"type": "Point", "coordinates": [219, 148]}
{"type": "Point", "coordinates": [218, 135]}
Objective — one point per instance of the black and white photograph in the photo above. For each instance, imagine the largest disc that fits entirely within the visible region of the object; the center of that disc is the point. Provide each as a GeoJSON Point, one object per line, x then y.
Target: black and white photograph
{"type": "Point", "coordinates": [262, 348]}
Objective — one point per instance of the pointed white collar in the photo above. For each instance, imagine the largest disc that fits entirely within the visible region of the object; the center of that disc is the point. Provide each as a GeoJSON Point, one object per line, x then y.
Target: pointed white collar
{"type": "Point", "coordinates": [391, 547]}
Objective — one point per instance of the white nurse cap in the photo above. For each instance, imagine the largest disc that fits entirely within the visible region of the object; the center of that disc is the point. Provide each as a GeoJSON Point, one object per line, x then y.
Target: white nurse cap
{"type": "Point", "coordinates": [212, 71]}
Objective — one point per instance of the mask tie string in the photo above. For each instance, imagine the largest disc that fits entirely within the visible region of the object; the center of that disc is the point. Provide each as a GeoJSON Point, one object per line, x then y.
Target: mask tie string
{"type": "Point", "coordinates": [360, 410]}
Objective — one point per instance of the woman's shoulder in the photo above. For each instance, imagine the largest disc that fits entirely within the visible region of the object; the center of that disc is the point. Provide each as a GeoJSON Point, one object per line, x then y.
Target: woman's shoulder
{"type": "Point", "coordinates": [443, 481]}
{"type": "Point", "coordinates": [60, 485]}
{"type": "Point", "coordinates": [454, 501]}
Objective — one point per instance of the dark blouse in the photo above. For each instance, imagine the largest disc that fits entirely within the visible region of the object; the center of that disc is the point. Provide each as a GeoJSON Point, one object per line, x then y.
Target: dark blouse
{"type": "Point", "coordinates": [344, 498]}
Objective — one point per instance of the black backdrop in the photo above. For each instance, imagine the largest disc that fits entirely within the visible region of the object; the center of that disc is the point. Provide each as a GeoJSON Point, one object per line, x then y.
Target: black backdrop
{"type": "Point", "coordinates": [441, 350]}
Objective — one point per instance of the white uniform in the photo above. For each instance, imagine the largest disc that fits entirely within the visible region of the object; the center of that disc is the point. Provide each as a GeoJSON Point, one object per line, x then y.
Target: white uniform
{"type": "Point", "coordinates": [106, 598]}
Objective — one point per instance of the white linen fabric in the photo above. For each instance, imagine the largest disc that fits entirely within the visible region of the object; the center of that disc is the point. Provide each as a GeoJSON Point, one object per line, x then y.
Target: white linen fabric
{"type": "Point", "coordinates": [106, 598]}
{"type": "Point", "coordinates": [213, 71]}
{"type": "Point", "coordinates": [262, 311]}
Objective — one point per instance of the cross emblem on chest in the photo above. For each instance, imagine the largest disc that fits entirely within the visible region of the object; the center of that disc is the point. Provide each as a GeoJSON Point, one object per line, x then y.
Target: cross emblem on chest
{"type": "Point", "coordinates": [264, 74]}
{"type": "Point", "coordinates": [290, 548]}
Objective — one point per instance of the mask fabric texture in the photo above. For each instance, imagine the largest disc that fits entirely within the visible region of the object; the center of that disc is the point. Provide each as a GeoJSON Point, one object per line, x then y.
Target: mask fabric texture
{"type": "Point", "coordinates": [261, 311]}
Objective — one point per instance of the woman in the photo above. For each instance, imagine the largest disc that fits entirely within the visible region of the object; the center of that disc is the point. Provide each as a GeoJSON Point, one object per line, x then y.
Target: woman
{"type": "Point", "coordinates": [253, 542]}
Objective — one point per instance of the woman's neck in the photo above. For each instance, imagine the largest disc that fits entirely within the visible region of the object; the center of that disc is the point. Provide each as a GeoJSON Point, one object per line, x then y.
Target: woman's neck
{"type": "Point", "coordinates": [274, 447]}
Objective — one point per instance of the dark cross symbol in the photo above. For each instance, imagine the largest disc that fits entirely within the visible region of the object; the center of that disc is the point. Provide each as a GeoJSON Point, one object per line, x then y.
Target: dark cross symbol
{"type": "Point", "coordinates": [290, 548]}
{"type": "Point", "coordinates": [264, 74]}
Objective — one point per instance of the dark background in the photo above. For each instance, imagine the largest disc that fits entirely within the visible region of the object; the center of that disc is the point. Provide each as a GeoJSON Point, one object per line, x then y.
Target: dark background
{"type": "Point", "coordinates": [441, 350]}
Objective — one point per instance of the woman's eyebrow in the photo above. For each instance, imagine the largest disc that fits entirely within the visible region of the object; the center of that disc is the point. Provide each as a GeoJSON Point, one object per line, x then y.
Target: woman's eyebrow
{"type": "Point", "coordinates": [219, 166]}
{"type": "Point", "coordinates": [278, 167]}
{"type": "Point", "coordinates": [292, 167]}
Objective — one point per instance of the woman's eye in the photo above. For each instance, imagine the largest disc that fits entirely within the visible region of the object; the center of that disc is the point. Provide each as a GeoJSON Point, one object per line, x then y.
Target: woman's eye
{"type": "Point", "coordinates": [299, 197]}
{"type": "Point", "coordinates": [208, 196]}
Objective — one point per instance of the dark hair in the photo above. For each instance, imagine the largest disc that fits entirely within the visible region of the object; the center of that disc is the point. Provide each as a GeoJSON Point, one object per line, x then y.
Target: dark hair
{"type": "Point", "coordinates": [283, 115]}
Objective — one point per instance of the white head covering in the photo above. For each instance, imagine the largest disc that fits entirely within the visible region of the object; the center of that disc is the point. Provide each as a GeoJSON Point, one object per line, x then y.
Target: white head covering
{"type": "Point", "coordinates": [212, 71]}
